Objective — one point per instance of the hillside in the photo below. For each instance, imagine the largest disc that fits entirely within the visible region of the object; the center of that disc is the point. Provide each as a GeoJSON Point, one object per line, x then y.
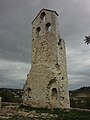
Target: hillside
{"type": "Point", "coordinates": [11, 95]}
{"type": "Point", "coordinates": [80, 98]}
{"type": "Point", "coordinates": [82, 92]}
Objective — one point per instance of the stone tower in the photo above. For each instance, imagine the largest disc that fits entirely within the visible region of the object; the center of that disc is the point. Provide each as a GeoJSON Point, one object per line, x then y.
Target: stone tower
{"type": "Point", "coordinates": [46, 84]}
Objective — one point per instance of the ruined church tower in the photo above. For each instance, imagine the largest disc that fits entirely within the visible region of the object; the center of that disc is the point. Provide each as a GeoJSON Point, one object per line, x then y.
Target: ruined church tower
{"type": "Point", "coordinates": [47, 84]}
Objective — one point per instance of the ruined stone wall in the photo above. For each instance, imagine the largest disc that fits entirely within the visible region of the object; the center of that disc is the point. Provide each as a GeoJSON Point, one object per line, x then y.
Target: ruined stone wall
{"type": "Point", "coordinates": [63, 73]}
{"type": "Point", "coordinates": [44, 42]}
{"type": "Point", "coordinates": [46, 84]}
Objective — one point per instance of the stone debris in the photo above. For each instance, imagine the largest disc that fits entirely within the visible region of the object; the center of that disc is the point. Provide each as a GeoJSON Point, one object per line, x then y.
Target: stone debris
{"type": "Point", "coordinates": [14, 112]}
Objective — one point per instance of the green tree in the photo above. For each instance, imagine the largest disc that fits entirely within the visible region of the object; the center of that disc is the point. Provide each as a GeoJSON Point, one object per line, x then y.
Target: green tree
{"type": "Point", "coordinates": [87, 39]}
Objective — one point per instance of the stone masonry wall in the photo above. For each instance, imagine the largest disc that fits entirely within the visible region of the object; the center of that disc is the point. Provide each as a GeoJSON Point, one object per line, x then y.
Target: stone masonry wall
{"type": "Point", "coordinates": [46, 84]}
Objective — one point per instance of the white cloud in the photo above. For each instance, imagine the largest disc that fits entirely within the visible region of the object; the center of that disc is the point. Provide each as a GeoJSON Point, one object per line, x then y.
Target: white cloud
{"type": "Point", "coordinates": [13, 73]}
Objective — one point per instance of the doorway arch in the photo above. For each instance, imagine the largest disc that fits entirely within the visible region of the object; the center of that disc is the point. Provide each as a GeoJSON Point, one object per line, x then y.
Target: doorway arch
{"type": "Point", "coordinates": [54, 93]}
{"type": "Point", "coordinates": [54, 98]}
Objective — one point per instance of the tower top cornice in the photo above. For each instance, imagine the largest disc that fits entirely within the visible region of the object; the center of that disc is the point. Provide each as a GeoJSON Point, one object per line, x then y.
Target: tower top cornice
{"type": "Point", "coordinates": [44, 11]}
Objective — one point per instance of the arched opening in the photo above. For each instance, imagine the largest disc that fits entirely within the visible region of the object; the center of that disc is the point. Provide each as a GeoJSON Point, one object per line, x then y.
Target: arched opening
{"type": "Point", "coordinates": [42, 16]}
{"type": "Point", "coordinates": [59, 42]}
{"type": "Point", "coordinates": [48, 26]}
{"type": "Point", "coordinates": [54, 93]}
{"type": "Point", "coordinates": [29, 92]}
{"type": "Point", "coordinates": [62, 78]}
{"type": "Point", "coordinates": [54, 98]}
{"type": "Point", "coordinates": [38, 29]}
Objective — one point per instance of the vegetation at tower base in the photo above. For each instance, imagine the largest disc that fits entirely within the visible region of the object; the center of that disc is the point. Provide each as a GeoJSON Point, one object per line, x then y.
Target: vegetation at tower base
{"type": "Point", "coordinates": [62, 114]}
{"type": "Point", "coordinates": [20, 112]}
{"type": "Point", "coordinates": [30, 113]}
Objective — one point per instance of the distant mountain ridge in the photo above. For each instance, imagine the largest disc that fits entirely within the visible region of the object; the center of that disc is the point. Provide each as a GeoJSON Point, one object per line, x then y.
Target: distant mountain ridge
{"type": "Point", "coordinates": [81, 92]}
